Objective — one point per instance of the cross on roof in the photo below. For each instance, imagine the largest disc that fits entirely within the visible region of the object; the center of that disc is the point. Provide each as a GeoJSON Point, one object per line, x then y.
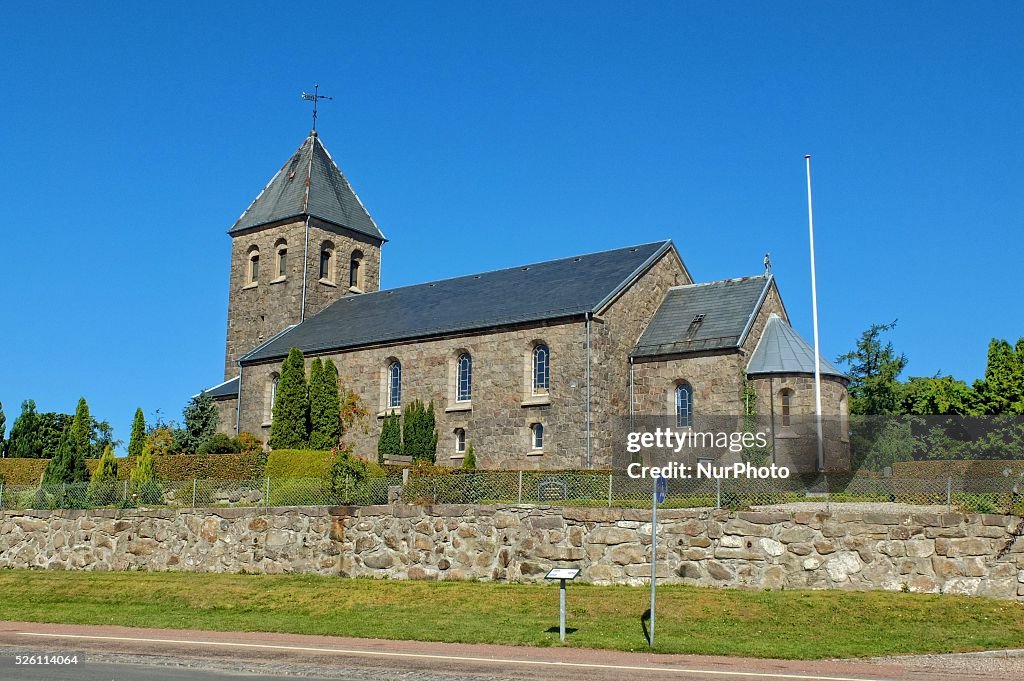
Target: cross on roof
{"type": "Point", "coordinates": [315, 98]}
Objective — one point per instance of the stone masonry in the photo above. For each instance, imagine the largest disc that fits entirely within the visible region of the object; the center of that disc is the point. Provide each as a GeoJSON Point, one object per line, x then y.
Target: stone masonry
{"type": "Point", "coordinates": [919, 552]}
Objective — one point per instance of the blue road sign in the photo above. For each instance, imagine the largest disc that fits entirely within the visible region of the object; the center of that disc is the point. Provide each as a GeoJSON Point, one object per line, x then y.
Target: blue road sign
{"type": "Point", "coordinates": [661, 489]}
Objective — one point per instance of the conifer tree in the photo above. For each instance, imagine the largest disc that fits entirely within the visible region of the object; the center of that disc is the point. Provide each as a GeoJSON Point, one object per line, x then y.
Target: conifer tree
{"type": "Point", "coordinates": [138, 438]}
{"type": "Point", "coordinates": [324, 405]}
{"type": "Point", "coordinates": [3, 427]}
{"type": "Point", "coordinates": [290, 426]}
{"type": "Point", "coordinates": [81, 435]}
{"type": "Point", "coordinates": [102, 489]}
{"type": "Point", "coordinates": [390, 442]}
{"type": "Point", "coordinates": [469, 461]}
{"type": "Point", "coordinates": [143, 479]}
{"type": "Point", "coordinates": [419, 435]}
{"type": "Point", "coordinates": [26, 439]}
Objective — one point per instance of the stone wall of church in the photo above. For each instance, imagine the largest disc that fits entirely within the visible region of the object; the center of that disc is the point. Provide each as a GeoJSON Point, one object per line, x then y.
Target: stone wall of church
{"type": "Point", "coordinates": [258, 311]}
{"type": "Point", "coordinates": [498, 418]}
{"type": "Point", "coordinates": [918, 551]}
{"type": "Point", "coordinates": [227, 414]}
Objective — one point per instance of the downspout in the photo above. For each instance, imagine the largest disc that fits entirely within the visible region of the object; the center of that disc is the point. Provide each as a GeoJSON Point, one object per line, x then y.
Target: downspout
{"type": "Point", "coordinates": [586, 319]}
{"type": "Point", "coordinates": [238, 402]}
{"type": "Point", "coordinates": [305, 272]}
{"type": "Point", "coordinates": [632, 415]}
{"type": "Point", "coordinates": [771, 401]}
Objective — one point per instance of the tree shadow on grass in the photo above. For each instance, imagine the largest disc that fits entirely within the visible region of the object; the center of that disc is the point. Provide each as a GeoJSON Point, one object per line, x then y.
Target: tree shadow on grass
{"type": "Point", "coordinates": [644, 620]}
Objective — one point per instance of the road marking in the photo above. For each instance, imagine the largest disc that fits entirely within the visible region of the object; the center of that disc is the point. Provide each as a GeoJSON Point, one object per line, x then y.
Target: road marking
{"type": "Point", "coordinates": [457, 658]}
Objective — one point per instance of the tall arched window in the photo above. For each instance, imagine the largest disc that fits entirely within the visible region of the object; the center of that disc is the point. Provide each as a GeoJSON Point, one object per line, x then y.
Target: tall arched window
{"type": "Point", "coordinates": [282, 259]}
{"type": "Point", "coordinates": [460, 440]}
{"type": "Point", "coordinates": [254, 265]}
{"type": "Point", "coordinates": [786, 404]}
{"type": "Point", "coordinates": [464, 378]}
{"type": "Point", "coordinates": [270, 396]}
{"type": "Point", "coordinates": [327, 261]}
{"type": "Point", "coordinates": [395, 385]}
{"type": "Point", "coordinates": [355, 274]}
{"type": "Point", "coordinates": [537, 436]}
{"type": "Point", "coordinates": [684, 405]}
{"type": "Point", "coordinates": [541, 369]}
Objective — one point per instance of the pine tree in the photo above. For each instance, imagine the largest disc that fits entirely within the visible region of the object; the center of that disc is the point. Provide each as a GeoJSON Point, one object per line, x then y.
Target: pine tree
{"type": "Point", "coordinates": [102, 487]}
{"type": "Point", "coordinates": [26, 435]}
{"type": "Point", "coordinates": [469, 461]}
{"type": "Point", "coordinates": [1002, 389]}
{"type": "Point", "coordinates": [324, 405]}
{"type": "Point", "coordinates": [390, 442]}
{"type": "Point", "coordinates": [138, 439]}
{"type": "Point", "coordinates": [200, 416]}
{"type": "Point", "coordinates": [57, 468]}
{"type": "Point", "coordinates": [81, 440]}
{"type": "Point", "coordinates": [290, 426]}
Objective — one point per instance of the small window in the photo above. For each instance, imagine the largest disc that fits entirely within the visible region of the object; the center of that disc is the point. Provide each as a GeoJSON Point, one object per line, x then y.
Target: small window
{"type": "Point", "coordinates": [786, 403]}
{"type": "Point", "coordinates": [684, 406]}
{"type": "Point", "coordinates": [537, 436]}
{"type": "Point", "coordinates": [541, 369]}
{"type": "Point", "coordinates": [282, 261]}
{"type": "Point", "coordinates": [325, 264]}
{"type": "Point", "coordinates": [273, 392]}
{"type": "Point", "coordinates": [460, 440]}
{"type": "Point", "coordinates": [464, 378]}
{"type": "Point", "coordinates": [254, 266]}
{"type": "Point", "coordinates": [355, 274]}
{"type": "Point", "coordinates": [394, 385]}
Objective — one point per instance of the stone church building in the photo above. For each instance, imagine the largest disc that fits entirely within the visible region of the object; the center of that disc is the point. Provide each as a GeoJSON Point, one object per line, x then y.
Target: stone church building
{"type": "Point", "coordinates": [546, 365]}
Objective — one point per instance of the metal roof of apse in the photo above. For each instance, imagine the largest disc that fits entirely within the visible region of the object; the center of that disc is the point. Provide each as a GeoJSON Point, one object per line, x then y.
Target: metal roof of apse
{"type": "Point", "coordinates": [701, 317]}
{"type": "Point", "coordinates": [548, 290]}
{"type": "Point", "coordinates": [781, 350]}
{"type": "Point", "coordinates": [228, 388]}
{"type": "Point", "coordinates": [310, 183]}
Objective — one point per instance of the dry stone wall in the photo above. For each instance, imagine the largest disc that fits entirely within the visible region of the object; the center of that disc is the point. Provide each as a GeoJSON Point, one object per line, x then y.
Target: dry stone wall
{"type": "Point", "coordinates": [915, 551]}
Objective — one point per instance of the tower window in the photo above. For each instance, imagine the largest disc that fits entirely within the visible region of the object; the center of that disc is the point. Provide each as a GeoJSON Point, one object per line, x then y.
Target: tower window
{"type": "Point", "coordinates": [460, 440]}
{"type": "Point", "coordinates": [282, 261]}
{"type": "Point", "coordinates": [684, 405]}
{"type": "Point", "coordinates": [537, 436]}
{"type": "Point", "coordinates": [464, 384]}
{"type": "Point", "coordinates": [395, 385]}
{"type": "Point", "coordinates": [786, 400]}
{"type": "Point", "coordinates": [254, 267]}
{"type": "Point", "coordinates": [541, 369]}
{"type": "Point", "coordinates": [327, 261]}
{"type": "Point", "coordinates": [355, 274]}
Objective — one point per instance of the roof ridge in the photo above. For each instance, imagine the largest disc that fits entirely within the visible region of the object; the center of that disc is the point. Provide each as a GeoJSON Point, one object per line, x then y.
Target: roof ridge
{"type": "Point", "coordinates": [731, 280]}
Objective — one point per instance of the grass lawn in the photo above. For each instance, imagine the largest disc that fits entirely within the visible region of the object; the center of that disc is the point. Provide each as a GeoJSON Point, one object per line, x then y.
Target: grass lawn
{"type": "Point", "coordinates": [781, 624]}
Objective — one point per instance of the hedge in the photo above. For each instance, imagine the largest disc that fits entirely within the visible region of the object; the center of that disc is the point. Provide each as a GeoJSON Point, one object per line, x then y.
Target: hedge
{"type": "Point", "coordinates": [201, 466]}
{"type": "Point", "coordinates": [307, 463]}
{"type": "Point", "coordinates": [984, 468]}
{"type": "Point", "coordinates": [24, 471]}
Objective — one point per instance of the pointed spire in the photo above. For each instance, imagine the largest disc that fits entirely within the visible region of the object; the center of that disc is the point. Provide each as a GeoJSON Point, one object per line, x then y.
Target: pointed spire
{"type": "Point", "coordinates": [309, 183]}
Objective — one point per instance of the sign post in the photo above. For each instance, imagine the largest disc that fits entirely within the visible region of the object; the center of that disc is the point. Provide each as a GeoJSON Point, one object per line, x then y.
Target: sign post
{"type": "Point", "coordinates": [562, 575]}
{"type": "Point", "coordinates": [657, 497]}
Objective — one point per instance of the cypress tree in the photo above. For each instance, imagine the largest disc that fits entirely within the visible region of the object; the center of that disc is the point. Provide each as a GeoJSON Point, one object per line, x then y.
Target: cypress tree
{"type": "Point", "coordinates": [102, 489]}
{"type": "Point", "coordinates": [26, 439]}
{"type": "Point", "coordinates": [143, 479]}
{"type": "Point", "coordinates": [390, 442]}
{"type": "Point", "coordinates": [469, 461]}
{"type": "Point", "coordinates": [57, 469]}
{"type": "Point", "coordinates": [419, 431]}
{"type": "Point", "coordinates": [81, 440]}
{"type": "Point", "coordinates": [290, 426]}
{"type": "Point", "coordinates": [324, 406]}
{"type": "Point", "coordinates": [410, 429]}
{"type": "Point", "coordinates": [138, 439]}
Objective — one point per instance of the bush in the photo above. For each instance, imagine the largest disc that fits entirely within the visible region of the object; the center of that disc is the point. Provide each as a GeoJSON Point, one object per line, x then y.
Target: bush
{"type": "Point", "coordinates": [307, 463]}
{"type": "Point", "coordinates": [249, 443]}
{"type": "Point", "coordinates": [219, 443]}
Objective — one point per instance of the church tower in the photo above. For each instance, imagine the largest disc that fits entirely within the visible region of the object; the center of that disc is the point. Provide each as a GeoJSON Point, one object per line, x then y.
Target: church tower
{"type": "Point", "coordinates": [304, 242]}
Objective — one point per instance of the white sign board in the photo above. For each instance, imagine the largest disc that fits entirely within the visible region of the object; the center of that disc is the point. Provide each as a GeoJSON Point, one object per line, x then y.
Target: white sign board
{"type": "Point", "coordinates": [563, 573]}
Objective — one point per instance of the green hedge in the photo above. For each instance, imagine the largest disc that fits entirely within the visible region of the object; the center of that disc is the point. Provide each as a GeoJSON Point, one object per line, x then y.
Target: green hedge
{"type": "Point", "coordinates": [23, 471]}
{"type": "Point", "coordinates": [201, 466]}
{"type": "Point", "coordinates": [940, 469]}
{"type": "Point", "coordinates": [308, 463]}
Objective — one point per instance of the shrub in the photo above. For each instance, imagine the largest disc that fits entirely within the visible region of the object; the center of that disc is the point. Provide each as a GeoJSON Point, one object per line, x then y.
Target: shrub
{"type": "Point", "coordinates": [290, 426]}
{"type": "Point", "coordinates": [249, 443]}
{"type": "Point", "coordinates": [419, 435]}
{"type": "Point", "coordinates": [469, 461]}
{"type": "Point", "coordinates": [103, 487]}
{"type": "Point", "coordinates": [390, 442]}
{"type": "Point", "coordinates": [324, 405]}
{"type": "Point", "coordinates": [144, 485]}
{"type": "Point", "coordinates": [346, 474]}
{"type": "Point", "coordinates": [160, 441]}
{"type": "Point", "coordinates": [219, 443]}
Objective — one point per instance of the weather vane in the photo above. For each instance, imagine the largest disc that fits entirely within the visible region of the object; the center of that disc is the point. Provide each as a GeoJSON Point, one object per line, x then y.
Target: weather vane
{"type": "Point", "coordinates": [315, 98]}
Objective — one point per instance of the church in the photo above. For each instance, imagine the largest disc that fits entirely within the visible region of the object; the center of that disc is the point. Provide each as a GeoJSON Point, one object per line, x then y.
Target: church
{"type": "Point", "coordinates": [546, 365]}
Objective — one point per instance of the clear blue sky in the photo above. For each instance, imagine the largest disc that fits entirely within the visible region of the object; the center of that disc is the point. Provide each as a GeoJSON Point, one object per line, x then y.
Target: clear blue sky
{"type": "Point", "coordinates": [481, 137]}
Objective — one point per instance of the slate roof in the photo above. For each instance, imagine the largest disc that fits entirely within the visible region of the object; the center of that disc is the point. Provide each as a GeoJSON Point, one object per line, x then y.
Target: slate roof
{"type": "Point", "coordinates": [727, 306]}
{"type": "Point", "coordinates": [549, 290]}
{"type": "Point", "coordinates": [310, 183]}
{"type": "Point", "coordinates": [228, 388]}
{"type": "Point", "coordinates": [781, 350]}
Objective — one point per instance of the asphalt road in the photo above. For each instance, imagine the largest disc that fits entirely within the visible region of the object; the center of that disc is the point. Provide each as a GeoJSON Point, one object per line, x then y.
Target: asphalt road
{"type": "Point", "coordinates": [123, 654]}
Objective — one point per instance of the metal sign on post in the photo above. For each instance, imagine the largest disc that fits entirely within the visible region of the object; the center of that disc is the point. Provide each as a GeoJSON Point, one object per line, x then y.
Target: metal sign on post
{"type": "Point", "coordinates": [562, 575]}
{"type": "Point", "coordinates": [657, 497]}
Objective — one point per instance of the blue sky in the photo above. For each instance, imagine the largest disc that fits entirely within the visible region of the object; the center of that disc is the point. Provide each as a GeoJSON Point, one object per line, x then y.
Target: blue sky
{"type": "Point", "coordinates": [481, 137]}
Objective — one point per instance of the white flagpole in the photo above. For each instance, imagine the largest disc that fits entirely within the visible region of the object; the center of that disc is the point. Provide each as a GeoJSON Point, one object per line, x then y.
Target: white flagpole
{"type": "Point", "coordinates": [814, 305]}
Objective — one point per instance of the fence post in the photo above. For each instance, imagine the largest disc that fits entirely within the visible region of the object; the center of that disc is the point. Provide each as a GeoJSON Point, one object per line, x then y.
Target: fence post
{"type": "Point", "coordinates": [519, 495]}
{"type": "Point", "coordinates": [718, 493]}
{"type": "Point", "coordinates": [266, 495]}
{"type": "Point", "coordinates": [610, 476]}
{"type": "Point", "coordinates": [124, 494]}
{"type": "Point", "coordinates": [949, 493]}
{"type": "Point", "coordinates": [63, 494]}
{"type": "Point", "coordinates": [828, 494]}
{"type": "Point", "coordinates": [194, 483]}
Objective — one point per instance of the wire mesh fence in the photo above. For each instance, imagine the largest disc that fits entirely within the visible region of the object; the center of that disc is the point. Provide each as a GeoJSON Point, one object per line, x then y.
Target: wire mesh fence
{"type": "Point", "coordinates": [575, 488]}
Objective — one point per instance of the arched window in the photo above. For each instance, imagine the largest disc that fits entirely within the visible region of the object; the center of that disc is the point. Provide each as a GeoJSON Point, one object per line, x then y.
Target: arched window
{"type": "Point", "coordinates": [355, 274]}
{"type": "Point", "coordinates": [684, 406]}
{"type": "Point", "coordinates": [327, 262]}
{"type": "Point", "coordinates": [394, 385]}
{"type": "Point", "coordinates": [254, 265]}
{"type": "Point", "coordinates": [270, 396]}
{"type": "Point", "coordinates": [464, 378]}
{"type": "Point", "coordinates": [786, 404]}
{"type": "Point", "coordinates": [844, 419]}
{"type": "Point", "coordinates": [460, 440]}
{"type": "Point", "coordinates": [282, 259]}
{"type": "Point", "coordinates": [541, 369]}
{"type": "Point", "coordinates": [537, 436]}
